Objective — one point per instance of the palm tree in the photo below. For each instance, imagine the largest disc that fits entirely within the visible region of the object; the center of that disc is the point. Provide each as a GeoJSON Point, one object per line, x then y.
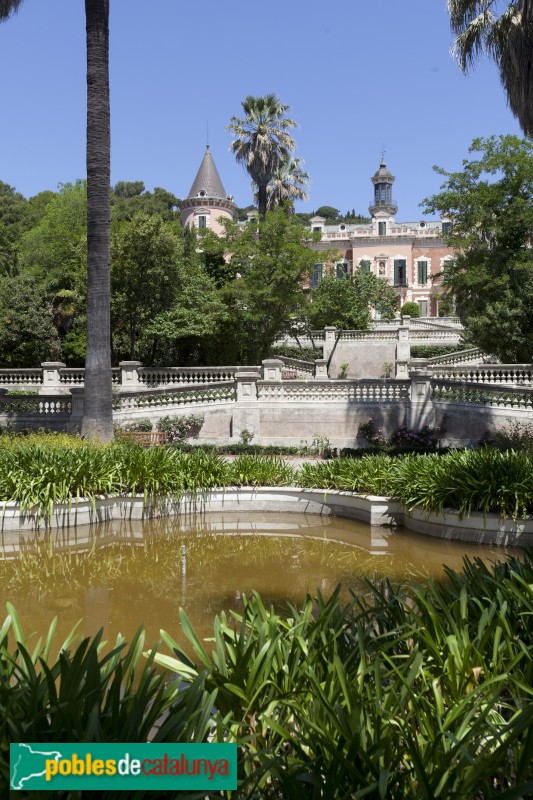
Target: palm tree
{"type": "Point", "coordinates": [289, 183]}
{"type": "Point", "coordinates": [98, 398]}
{"type": "Point", "coordinates": [262, 141]}
{"type": "Point", "coordinates": [507, 38]}
{"type": "Point", "coordinates": [8, 7]}
{"type": "Point", "coordinates": [98, 407]}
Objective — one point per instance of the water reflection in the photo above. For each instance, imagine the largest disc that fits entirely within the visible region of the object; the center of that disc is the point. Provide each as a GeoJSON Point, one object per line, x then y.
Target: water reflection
{"type": "Point", "coordinates": [119, 575]}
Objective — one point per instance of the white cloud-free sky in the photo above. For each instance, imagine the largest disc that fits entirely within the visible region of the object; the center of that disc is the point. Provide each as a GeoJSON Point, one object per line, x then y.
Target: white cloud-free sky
{"type": "Point", "coordinates": [359, 78]}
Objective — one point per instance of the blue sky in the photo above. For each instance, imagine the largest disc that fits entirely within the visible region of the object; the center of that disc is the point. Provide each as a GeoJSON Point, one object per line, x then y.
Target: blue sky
{"type": "Point", "coordinates": [359, 77]}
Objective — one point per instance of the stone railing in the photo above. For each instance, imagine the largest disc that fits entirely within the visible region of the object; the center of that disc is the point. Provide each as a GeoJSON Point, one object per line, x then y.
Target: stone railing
{"type": "Point", "coordinates": [359, 391]}
{"type": "Point", "coordinates": [481, 394]}
{"type": "Point", "coordinates": [28, 410]}
{"type": "Point", "coordinates": [175, 376]}
{"type": "Point", "coordinates": [474, 355]}
{"type": "Point", "coordinates": [296, 368]}
{"type": "Point", "coordinates": [369, 336]}
{"type": "Point", "coordinates": [21, 378]}
{"type": "Point", "coordinates": [163, 397]}
{"type": "Point", "coordinates": [504, 374]}
{"type": "Point", "coordinates": [436, 334]}
{"type": "Point", "coordinates": [75, 376]}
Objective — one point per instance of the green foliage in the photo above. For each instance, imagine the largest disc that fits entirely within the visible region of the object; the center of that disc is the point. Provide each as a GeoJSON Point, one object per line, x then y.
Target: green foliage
{"type": "Point", "coordinates": [491, 276]}
{"type": "Point", "coordinates": [329, 213]}
{"type": "Point", "coordinates": [515, 436]}
{"type": "Point", "coordinates": [410, 309]}
{"type": "Point", "coordinates": [27, 332]}
{"type": "Point", "coordinates": [139, 426]}
{"type": "Point", "coordinates": [129, 198]}
{"type": "Point", "coordinates": [144, 273]}
{"type": "Point", "coordinates": [75, 691]}
{"type": "Point", "coordinates": [407, 692]}
{"type": "Point", "coordinates": [303, 353]}
{"type": "Point", "coordinates": [433, 350]}
{"type": "Point", "coordinates": [403, 440]}
{"type": "Point", "coordinates": [54, 250]}
{"type": "Point", "coordinates": [259, 470]}
{"type": "Point", "coordinates": [38, 471]}
{"type": "Point", "coordinates": [346, 302]}
{"type": "Point", "coordinates": [13, 211]}
{"type": "Point", "coordinates": [271, 263]}
{"type": "Point", "coordinates": [179, 428]}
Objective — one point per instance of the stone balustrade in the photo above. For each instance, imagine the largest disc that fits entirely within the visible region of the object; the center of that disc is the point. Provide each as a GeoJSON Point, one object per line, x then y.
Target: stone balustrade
{"type": "Point", "coordinates": [18, 378]}
{"type": "Point", "coordinates": [482, 394]}
{"type": "Point", "coordinates": [504, 374]}
{"type": "Point", "coordinates": [473, 355]}
{"type": "Point", "coordinates": [296, 368]}
{"type": "Point", "coordinates": [360, 391]}
{"type": "Point", "coordinates": [169, 376]}
{"type": "Point", "coordinates": [163, 397]}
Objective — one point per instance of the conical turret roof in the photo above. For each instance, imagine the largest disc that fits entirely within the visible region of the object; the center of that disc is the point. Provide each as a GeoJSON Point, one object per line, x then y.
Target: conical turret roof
{"type": "Point", "coordinates": [207, 182]}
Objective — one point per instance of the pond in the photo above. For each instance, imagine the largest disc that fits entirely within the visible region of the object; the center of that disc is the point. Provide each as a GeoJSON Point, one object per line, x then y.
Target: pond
{"type": "Point", "coordinates": [120, 575]}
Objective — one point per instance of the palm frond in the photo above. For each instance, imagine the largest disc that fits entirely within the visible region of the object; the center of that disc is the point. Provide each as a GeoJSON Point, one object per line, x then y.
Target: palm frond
{"type": "Point", "coordinates": [8, 7]}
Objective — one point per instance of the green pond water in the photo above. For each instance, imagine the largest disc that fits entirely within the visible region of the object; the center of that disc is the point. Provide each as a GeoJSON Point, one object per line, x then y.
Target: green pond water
{"type": "Point", "coordinates": [118, 576]}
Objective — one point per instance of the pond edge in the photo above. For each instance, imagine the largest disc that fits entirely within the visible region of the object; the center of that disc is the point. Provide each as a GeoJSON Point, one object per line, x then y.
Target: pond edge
{"type": "Point", "coordinates": [372, 509]}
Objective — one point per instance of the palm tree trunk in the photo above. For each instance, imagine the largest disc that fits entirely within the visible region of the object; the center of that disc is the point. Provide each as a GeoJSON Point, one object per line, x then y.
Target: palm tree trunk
{"type": "Point", "coordinates": [262, 201]}
{"type": "Point", "coordinates": [98, 405]}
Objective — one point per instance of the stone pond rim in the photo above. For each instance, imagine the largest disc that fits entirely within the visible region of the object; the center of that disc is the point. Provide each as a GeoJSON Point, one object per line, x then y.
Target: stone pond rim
{"type": "Point", "coordinates": [380, 511]}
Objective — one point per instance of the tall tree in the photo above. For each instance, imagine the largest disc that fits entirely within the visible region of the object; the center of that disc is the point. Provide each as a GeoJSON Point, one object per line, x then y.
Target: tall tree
{"type": "Point", "coordinates": [507, 38]}
{"type": "Point", "coordinates": [98, 403]}
{"type": "Point", "coordinates": [490, 204]}
{"type": "Point", "coordinates": [288, 183]}
{"type": "Point", "coordinates": [98, 407]}
{"type": "Point", "coordinates": [262, 140]}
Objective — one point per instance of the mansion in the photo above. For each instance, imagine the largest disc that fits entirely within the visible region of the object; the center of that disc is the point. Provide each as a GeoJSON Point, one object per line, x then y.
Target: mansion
{"type": "Point", "coordinates": [408, 255]}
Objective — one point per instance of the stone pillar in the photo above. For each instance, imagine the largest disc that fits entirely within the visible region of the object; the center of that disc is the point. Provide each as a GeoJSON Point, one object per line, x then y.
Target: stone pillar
{"type": "Point", "coordinates": [272, 369]}
{"type": "Point", "coordinates": [321, 369]}
{"type": "Point", "coordinates": [419, 364]}
{"type": "Point", "coordinates": [76, 413]}
{"type": "Point", "coordinates": [403, 350]}
{"type": "Point", "coordinates": [51, 378]}
{"type": "Point", "coordinates": [330, 333]}
{"type": "Point", "coordinates": [129, 375]}
{"type": "Point", "coordinates": [421, 410]}
{"type": "Point", "coordinates": [246, 412]}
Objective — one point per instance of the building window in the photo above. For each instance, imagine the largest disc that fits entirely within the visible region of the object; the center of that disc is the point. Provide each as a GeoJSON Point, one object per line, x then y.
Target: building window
{"type": "Point", "coordinates": [317, 229]}
{"type": "Point", "coordinates": [342, 269]}
{"type": "Point", "coordinates": [446, 227]}
{"type": "Point", "coordinates": [317, 275]}
{"type": "Point", "coordinates": [400, 272]}
{"type": "Point", "coordinates": [422, 273]}
{"type": "Point", "coordinates": [423, 306]}
{"type": "Point", "coordinates": [382, 228]}
{"type": "Point", "coordinates": [364, 265]}
{"type": "Point", "coordinates": [202, 221]}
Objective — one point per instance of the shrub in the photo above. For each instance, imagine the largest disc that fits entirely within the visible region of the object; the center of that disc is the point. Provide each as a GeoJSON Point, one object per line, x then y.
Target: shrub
{"type": "Point", "coordinates": [516, 436]}
{"type": "Point", "coordinates": [413, 691]}
{"type": "Point", "coordinates": [303, 354]}
{"type": "Point", "coordinates": [434, 350]}
{"type": "Point", "coordinates": [139, 426]}
{"type": "Point", "coordinates": [179, 428]}
{"type": "Point", "coordinates": [403, 440]}
{"type": "Point", "coordinates": [410, 309]}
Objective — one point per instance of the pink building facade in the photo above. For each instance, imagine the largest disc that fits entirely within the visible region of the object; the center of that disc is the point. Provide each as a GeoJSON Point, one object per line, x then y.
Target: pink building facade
{"type": "Point", "coordinates": [408, 255]}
